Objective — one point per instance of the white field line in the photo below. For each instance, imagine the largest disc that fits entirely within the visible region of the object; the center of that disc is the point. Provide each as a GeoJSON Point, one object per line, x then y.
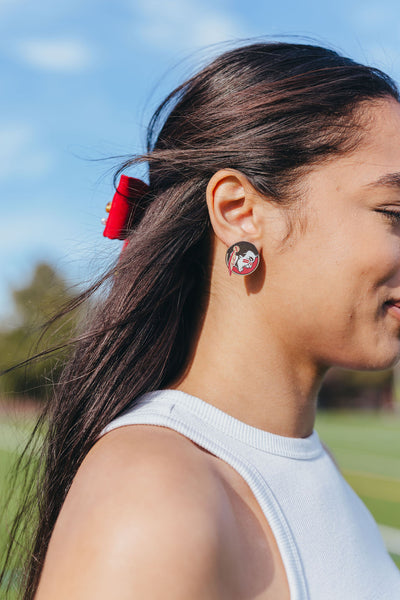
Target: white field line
{"type": "Point", "coordinates": [371, 475]}
{"type": "Point", "coordinates": [391, 537]}
{"type": "Point", "coordinates": [376, 492]}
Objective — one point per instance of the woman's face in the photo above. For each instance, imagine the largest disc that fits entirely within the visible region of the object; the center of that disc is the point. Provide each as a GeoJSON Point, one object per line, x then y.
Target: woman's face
{"type": "Point", "coordinates": [327, 293]}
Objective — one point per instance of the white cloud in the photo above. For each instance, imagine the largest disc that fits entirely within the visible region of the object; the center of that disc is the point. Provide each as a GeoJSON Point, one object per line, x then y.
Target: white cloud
{"type": "Point", "coordinates": [180, 24]}
{"type": "Point", "coordinates": [21, 153]}
{"type": "Point", "coordinates": [56, 54]}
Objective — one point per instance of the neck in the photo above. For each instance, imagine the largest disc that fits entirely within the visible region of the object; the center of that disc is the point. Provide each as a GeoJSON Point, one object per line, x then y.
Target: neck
{"type": "Point", "coordinates": [244, 369]}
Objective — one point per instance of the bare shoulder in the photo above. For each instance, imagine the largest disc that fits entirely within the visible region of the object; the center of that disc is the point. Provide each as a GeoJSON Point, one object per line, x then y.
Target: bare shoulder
{"type": "Point", "coordinates": [141, 519]}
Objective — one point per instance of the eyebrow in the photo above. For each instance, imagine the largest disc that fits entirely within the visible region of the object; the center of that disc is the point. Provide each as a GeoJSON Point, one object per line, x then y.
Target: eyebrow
{"type": "Point", "coordinates": [391, 180]}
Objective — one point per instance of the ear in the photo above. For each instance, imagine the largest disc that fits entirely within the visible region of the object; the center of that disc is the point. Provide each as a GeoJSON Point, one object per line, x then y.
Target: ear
{"type": "Point", "coordinates": [233, 206]}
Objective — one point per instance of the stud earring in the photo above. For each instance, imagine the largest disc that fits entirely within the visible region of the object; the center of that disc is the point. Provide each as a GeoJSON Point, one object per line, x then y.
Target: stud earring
{"type": "Point", "coordinates": [242, 258]}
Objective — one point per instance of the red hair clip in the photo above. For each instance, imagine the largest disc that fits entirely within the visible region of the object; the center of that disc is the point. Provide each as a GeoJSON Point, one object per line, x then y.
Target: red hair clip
{"type": "Point", "coordinates": [121, 210]}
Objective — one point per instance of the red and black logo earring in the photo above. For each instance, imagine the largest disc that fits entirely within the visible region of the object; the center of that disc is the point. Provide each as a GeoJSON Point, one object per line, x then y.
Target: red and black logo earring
{"type": "Point", "coordinates": [242, 258]}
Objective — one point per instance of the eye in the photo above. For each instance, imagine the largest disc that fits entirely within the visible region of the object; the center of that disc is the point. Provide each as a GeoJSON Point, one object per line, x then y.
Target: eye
{"type": "Point", "coordinates": [392, 215]}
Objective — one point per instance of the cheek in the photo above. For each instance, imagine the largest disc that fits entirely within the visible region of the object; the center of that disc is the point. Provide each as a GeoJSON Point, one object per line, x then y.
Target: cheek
{"type": "Point", "coordinates": [375, 267]}
{"type": "Point", "coordinates": [342, 317]}
{"type": "Point", "coordinates": [330, 287]}
{"type": "Point", "coordinates": [336, 287]}
{"type": "Point", "coordinates": [354, 259]}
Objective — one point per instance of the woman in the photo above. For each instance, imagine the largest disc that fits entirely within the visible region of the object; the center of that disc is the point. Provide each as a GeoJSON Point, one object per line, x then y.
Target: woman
{"type": "Point", "coordinates": [182, 460]}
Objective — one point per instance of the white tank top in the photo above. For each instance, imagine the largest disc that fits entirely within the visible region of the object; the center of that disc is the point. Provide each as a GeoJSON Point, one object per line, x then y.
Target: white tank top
{"type": "Point", "coordinates": [330, 545]}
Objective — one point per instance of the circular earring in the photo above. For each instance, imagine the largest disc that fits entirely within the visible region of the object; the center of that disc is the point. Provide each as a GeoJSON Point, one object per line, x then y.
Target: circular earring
{"type": "Point", "coordinates": [242, 258]}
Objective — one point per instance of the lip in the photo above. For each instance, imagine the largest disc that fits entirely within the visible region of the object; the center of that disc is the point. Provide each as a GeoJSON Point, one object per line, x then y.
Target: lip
{"type": "Point", "coordinates": [393, 307]}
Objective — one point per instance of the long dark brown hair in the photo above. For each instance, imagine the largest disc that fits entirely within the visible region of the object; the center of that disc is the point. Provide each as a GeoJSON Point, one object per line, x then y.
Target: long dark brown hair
{"type": "Point", "coordinates": [270, 110]}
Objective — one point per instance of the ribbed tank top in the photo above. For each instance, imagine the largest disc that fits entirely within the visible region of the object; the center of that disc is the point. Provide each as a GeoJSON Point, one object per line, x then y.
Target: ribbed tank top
{"type": "Point", "coordinates": [330, 545]}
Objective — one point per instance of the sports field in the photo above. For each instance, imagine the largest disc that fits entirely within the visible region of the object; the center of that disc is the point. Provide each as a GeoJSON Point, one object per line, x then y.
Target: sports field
{"type": "Point", "coordinates": [14, 433]}
{"type": "Point", "coordinates": [365, 446]}
{"type": "Point", "coordinates": [367, 449]}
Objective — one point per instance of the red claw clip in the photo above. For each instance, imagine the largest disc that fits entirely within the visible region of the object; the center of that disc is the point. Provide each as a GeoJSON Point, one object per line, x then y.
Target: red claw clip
{"type": "Point", "coordinates": [123, 207]}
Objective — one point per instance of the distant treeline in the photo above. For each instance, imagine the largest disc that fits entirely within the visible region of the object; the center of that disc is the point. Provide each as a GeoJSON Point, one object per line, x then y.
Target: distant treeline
{"type": "Point", "coordinates": [23, 336]}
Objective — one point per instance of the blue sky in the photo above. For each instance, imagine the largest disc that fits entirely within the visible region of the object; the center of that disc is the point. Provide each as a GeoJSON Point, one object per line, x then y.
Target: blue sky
{"type": "Point", "coordinates": [80, 79]}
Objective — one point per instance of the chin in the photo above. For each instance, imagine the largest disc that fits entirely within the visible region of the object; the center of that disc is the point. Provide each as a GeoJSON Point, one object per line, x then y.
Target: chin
{"type": "Point", "coordinates": [374, 362]}
{"type": "Point", "coordinates": [389, 364]}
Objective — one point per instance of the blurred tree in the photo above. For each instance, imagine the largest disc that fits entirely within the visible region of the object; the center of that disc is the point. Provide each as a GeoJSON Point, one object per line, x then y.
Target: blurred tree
{"type": "Point", "coordinates": [348, 389]}
{"type": "Point", "coordinates": [34, 304]}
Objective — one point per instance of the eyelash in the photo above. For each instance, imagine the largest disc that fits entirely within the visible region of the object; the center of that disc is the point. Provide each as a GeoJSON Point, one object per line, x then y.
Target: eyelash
{"type": "Point", "coordinates": [392, 215]}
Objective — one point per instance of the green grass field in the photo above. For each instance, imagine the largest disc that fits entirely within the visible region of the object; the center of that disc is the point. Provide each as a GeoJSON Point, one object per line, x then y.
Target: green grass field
{"type": "Point", "coordinates": [14, 434]}
{"type": "Point", "coordinates": [367, 449]}
{"type": "Point", "coordinates": [365, 446]}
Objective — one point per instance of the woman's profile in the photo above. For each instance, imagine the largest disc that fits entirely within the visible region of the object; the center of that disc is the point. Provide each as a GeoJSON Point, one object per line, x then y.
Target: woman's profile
{"type": "Point", "coordinates": [181, 460]}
